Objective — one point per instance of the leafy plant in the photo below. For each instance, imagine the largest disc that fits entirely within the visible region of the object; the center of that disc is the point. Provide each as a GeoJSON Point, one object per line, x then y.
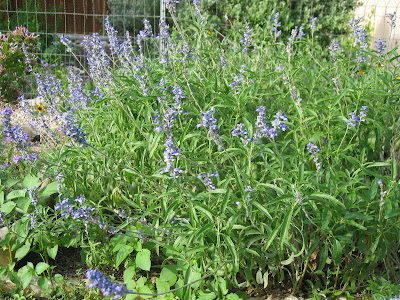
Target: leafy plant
{"type": "Point", "coordinates": [228, 162]}
{"type": "Point", "coordinates": [13, 66]}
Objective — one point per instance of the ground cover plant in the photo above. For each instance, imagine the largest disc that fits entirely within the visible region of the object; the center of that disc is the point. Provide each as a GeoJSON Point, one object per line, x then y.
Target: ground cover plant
{"type": "Point", "coordinates": [228, 163]}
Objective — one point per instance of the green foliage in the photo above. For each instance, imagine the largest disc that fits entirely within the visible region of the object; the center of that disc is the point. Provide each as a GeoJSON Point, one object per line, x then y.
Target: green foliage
{"type": "Point", "coordinates": [119, 9]}
{"type": "Point", "coordinates": [333, 16]}
{"type": "Point", "coordinates": [30, 15]}
{"type": "Point", "coordinates": [13, 66]}
{"type": "Point", "coordinates": [288, 156]}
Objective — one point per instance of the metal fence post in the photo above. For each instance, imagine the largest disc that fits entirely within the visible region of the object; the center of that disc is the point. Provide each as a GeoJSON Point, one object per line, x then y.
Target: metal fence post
{"type": "Point", "coordinates": [162, 18]}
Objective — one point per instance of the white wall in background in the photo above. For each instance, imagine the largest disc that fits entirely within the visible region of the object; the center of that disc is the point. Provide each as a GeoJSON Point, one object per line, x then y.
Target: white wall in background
{"type": "Point", "coordinates": [374, 12]}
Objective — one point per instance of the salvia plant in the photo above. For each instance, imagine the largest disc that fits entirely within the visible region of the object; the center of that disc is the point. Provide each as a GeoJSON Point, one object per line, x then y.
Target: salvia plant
{"type": "Point", "coordinates": [224, 163]}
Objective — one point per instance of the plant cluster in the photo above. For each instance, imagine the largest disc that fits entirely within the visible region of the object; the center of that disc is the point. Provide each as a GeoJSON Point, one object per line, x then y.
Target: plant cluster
{"type": "Point", "coordinates": [225, 163]}
{"type": "Point", "coordinates": [332, 15]}
{"type": "Point", "coordinates": [16, 48]}
{"type": "Point", "coordinates": [32, 15]}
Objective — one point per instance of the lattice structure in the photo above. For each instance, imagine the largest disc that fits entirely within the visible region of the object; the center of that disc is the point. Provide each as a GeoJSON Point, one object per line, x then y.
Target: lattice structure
{"type": "Point", "coordinates": [50, 18]}
{"type": "Point", "coordinates": [374, 12]}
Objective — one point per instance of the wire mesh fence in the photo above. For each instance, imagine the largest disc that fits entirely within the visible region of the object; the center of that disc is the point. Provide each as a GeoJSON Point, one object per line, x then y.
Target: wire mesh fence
{"type": "Point", "coordinates": [50, 18]}
{"type": "Point", "coordinates": [76, 18]}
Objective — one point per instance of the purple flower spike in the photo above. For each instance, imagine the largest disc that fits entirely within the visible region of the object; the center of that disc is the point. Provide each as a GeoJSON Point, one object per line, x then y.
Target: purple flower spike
{"type": "Point", "coordinates": [17, 159]}
{"type": "Point", "coordinates": [107, 287]}
{"type": "Point", "coordinates": [246, 40]}
{"type": "Point", "coordinates": [209, 121]}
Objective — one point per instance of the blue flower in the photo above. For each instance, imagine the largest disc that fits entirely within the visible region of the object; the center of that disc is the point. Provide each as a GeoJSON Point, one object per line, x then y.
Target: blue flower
{"type": "Point", "coordinates": [314, 150]}
{"type": "Point", "coordinates": [313, 21]}
{"type": "Point", "coordinates": [392, 19]}
{"type": "Point", "coordinates": [334, 49]}
{"type": "Point", "coordinates": [236, 81]}
{"type": "Point", "coordinates": [5, 166]}
{"type": "Point", "coordinates": [352, 122]}
{"type": "Point", "coordinates": [71, 129]}
{"type": "Point", "coordinates": [32, 195]}
{"type": "Point", "coordinates": [223, 62]}
{"type": "Point", "coordinates": [107, 287]}
{"type": "Point", "coordinates": [17, 159]}
{"type": "Point", "coordinates": [246, 40]}
{"type": "Point", "coordinates": [171, 150]}
{"type": "Point", "coordinates": [112, 36]}
{"type": "Point", "coordinates": [83, 212]}
{"type": "Point", "coordinates": [209, 122]}
{"type": "Point", "coordinates": [361, 39]}
{"type": "Point", "coordinates": [276, 25]}
{"type": "Point", "coordinates": [14, 134]}
{"type": "Point", "coordinates": [207, 180]}
{"type": "Point", "coordinates": [300, 34]}
{"type": "Point", "coordinates": [278, 122]}
{"type": "Point", "coordinates": [262, 128]}
{"type": "Point", "coordinates": [241, 131]}
{"type": "Point", "coordinates": [380, 46]}
{"type": "Point", "coordinates": [171, 5]}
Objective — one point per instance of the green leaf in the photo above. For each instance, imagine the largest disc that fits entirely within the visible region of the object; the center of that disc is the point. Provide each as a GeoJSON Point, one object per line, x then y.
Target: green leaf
{"type": "Point", "coordinates": [117, 242]}
{"type": "Point", "coordinates": [378, 164]}
{"type": "Point", "coordinates": [58, 278]}
{"type": "Point", "coordinates": [7, 207]}
{"type": "Point", "coordinates": [225, 202]}
{"type": "Point", "coordinates": [393, 213]}
{"type": "Point", "coordinates": [235, 255]}
{"type": "Point", "coordinates": [271, 237]}
{"type": "Point", "coordinates": [277, 189]}
{"type": "Point", "coordinates": [30, 181]}
{"type": "Point", "coordinates": [323, 257]}
{"type": "Point", "coordinates": [11, 182]}
{"type": "Point", "coordinates": [178, 284]}
{"type": "Point", "coordinates": [204, 209]}
{"type": "Point", "coordinates": [122, 254]}
{"type": "Point", "coordinates": [143, 260]}
{"type": "Point", "coordinates": [196, 249]}
{"type": "Point", "coordinates": [330, 199]}
{"type": "Point", "coordinates": [288, 261]}
{"type": "Point", "coordinates": [351, 159]}
{"type": "Point", "coordinates": [340, 96]}
{"type": "Point", "coordinates": [162, 286]}
{"type": "Point", "coordinates": [129, 273]}
{"type": "Point", "coordinates": [43, 283]}
{"type": "Point", "coordinates": [169, 274]}
{"type": "Point", "coordinates": [191, 276]}
{"type": "Point", "coordinates": [50, 189]}
{"type": "Point", "coordinates": [262, 209]}
{"type": "Point", "coordinates": [41, 267]}
{"type": "Point", "coordinates": [22, 251]}
{"type": "Point", "coordinates": [26, 279]}
{"type": "Point", "coordinates": [394, 169]}
{"type": "Point", "coordinates": [285, 226]}
{"type": "Point", "coordinates": [16, 194]}
{"type": "Point", "coordinates": [232, 297]}
{"type": "Point", "coordinates": [52, 252]}
{"type": "Point", "coordinates": [355, 224]}
{"type": "Point", "coordinates": [206, 296]}
{"type": "Point", "coordinates": [23, 204]}
{"type": "Point", "coordinates": [337, 252]}
{"type": "Point", "coordinates": [145, 289]}
{"type": "Point", "coordinates": [356, 215]}
{"type": "Point", "coordinates": [222, 285]}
